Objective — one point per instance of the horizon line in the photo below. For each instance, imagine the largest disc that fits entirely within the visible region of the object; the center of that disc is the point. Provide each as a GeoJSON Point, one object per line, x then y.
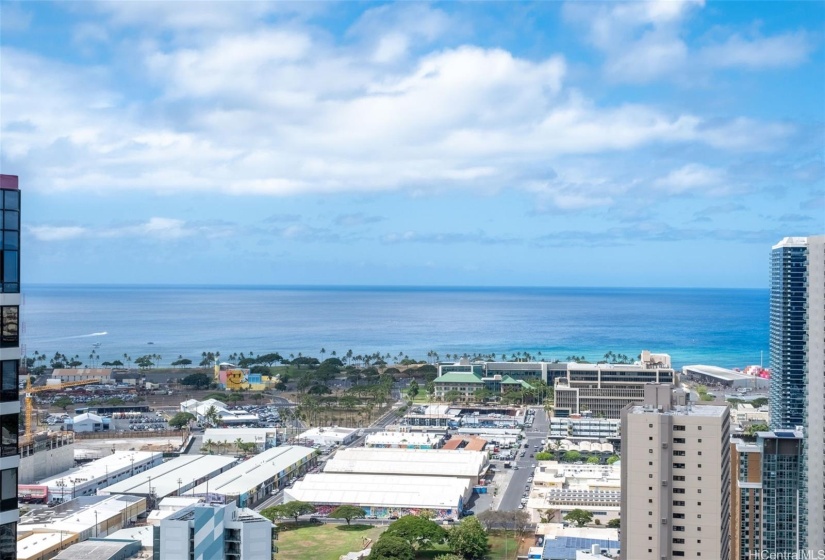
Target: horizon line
{"type": "Point", "coordinates": [382, 286]}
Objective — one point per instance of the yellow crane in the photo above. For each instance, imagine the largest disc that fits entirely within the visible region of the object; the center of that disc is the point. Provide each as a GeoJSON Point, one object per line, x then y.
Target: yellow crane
{"type": "Point", "coordinates": [27, 438]}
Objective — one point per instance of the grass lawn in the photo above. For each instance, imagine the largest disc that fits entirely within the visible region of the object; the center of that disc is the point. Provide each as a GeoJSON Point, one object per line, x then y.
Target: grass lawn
{"type": "Point", "coordinates": [323, 542]}
{"type": "Point", "coordinates": [502, 548]}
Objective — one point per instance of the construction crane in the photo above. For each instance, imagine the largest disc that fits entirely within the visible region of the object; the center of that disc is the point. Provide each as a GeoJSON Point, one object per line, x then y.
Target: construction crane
{"type": "Point", "coordinates": [30, 401]}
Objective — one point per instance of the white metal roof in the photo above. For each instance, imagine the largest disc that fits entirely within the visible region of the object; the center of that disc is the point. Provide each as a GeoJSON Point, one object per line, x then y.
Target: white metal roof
{"type": "Point", "coordinates": [103, 467]}
{"type": "Point", "coordinates": [164, 478]}
{"type": "Point", "coordinates": [434, 462]}
{"type": "Point", "coordinates": [256, 470]}
{"type": "Point", "coordinates": [434, 492]}
{"type": "Point", "coordinates": [247, 435]}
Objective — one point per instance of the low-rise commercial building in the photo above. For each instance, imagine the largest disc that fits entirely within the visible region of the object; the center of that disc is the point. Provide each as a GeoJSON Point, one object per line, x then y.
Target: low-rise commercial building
{"type": "Point", "coordinates": [175, 477]}
{"type": "Point", "coordinates": [45, 531]}
{"type": "Point", "coordinates": [261, 475]}
{"type": "Point", "coordinates": [431, 416]}
{"type": "Point", "coordinates": [326, 437]}
{"type": "Point", "coordinates": [559, 488]}
{"type": "Point", "coordinates": [584, 428]}
{"type": "Point", "coordinates": [101, 549]}
{"type": "Point", "coordinates": [199, 409]}
{"type": "Point", "coordinates": [263, 438]}
{"type": "Point", "coordinates": [87, 422]}
{"type": "Point", "coordinates": [207, 532]}
{"type": "Point", "coordinates": [383, 496]}
{"type": "Point", "coordinates": [97, 475]}
{"type": "Point", "coordinates": [404, 440]}
{"type": "Point", "coordinates": [82, 374]}
{"type": "Point", "coordinates": [723, 377]}
{"type": "Point", "coordinates": [469, 465]}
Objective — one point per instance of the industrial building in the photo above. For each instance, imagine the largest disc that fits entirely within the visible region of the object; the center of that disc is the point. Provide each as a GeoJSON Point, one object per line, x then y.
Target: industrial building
{"type": "Point", "coordinates": [207, 532]}
{"type": "Point", "coordinates": [469, 465]}
{"type": "Point", "coordinates": [101, 549]}
{"type": "Point", "coordinates": [727, 378]}
{"type": "Point", "coordinates": [261, 475]}
{"type": "Point", "coordinates": [94, 476]}
{"type": "Point", "coordinates": [87, 422]}
{"type": "Point", "coordinates": [384, 495]}
{"type": "Point", "coordinates": [225, 416]}
{"type": "Point", "coordinates": [404, 440]}
{"type": "Point", "coordinates": [175, 477]}
{"type": "Point", "coordinates": [46, 531]}
{"type": "Point", "coordinates": [326, 437]}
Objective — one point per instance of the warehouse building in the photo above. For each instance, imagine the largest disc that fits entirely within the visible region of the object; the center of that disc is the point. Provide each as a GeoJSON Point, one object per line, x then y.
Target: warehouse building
{"type": "Point", "coordinates": [94, 476]}
{"type": "Point", "coordinates": [263, 438]}
{"type": "Point", "coordinates": [326, 437]}
{"type": "Point", "coordinates": [173, 478]}
{"type": "Point", "coordinates": [460, 463]}
{"type": "Point", "coordinates": [405, 440]}
{"type": "Point", "coordinates": [261, 475]}
{"type": "Point", "coordinates": [383, 496]}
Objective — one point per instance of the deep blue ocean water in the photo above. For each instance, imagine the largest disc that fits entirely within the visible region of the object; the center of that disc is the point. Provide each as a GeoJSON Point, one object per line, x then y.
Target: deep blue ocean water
{"type": "Point", "coordinates": [723, 327]}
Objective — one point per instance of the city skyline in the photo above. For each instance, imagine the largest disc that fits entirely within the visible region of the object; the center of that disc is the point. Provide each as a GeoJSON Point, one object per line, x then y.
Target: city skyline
{"type": "Point", "coordinates": [412, 144]}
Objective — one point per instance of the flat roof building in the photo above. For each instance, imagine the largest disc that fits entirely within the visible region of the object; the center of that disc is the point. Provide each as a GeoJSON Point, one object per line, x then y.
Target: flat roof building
{"type": "Point", "coordinates": [404, 440]}
{"type": "Point", "coordinates": [423, 462]}
{"type": "Point", "coordinates": [715, 375]}
{"type": "Point", "coordinates": [383, 495]}
{"type": "Point", "coordinates": [174, 477]}
{"type": "Point", "coordinates": [259, 476]}
{"type": "Point", "coordinates": [91, 477]}
{"type": "Point", "coordinates": [263, 438]}
{"type": "Point", "coordinates": [335, 435]}
{"type": "Point", "coordinates": [560, 488]}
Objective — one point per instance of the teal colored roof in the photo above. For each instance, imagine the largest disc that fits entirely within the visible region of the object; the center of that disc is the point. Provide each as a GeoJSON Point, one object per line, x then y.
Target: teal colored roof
{"type": "Point", "coordinates": [456, 377]}
{"type": "Point", "coordinates": [507, 380]}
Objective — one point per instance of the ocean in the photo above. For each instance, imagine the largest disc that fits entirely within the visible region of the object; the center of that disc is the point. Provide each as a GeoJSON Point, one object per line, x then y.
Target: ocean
{"type": "Point", "coordinates": [723, 327]}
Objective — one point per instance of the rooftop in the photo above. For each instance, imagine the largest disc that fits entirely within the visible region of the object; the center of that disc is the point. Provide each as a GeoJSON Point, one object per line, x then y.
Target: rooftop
{"type": "Point", "coordinates": [439, 462]}
{"type": "Point", "coordinates": [459, 377]}
{"type": "Point", "coordinates": [717, 372]}
{"type": "Point", "coordinates": [80, 514]}
{"type": "Point", "coordinates": [256, 470]}
{"type": "Point", "coordinates": [102, 467]}
{"type": "Point", "coordinates": [791, 242]}
{"type": "Point", "coordinates": [436, 492]}
{"type": "Point", "coordinates": [706, 410]}
{"type": "Point", "coordinates": [142, 534]}
{"type": "Point", "coordinates": [163, 479]}
{"type": "Point", "coordinates": [94, 549]}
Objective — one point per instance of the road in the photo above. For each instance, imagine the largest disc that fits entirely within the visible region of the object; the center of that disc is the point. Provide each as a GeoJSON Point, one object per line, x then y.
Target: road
{"type": "Point", "coordinates": [518, 480]}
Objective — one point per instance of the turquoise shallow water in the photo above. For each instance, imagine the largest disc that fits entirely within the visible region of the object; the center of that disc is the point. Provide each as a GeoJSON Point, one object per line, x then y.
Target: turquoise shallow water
{"type": "Point", "coordinates": [712, 326]}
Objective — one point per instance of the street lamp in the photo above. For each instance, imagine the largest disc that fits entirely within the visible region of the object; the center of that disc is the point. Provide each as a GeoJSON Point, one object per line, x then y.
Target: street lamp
{"type": "Point", "coordinates": [95, 523]}
{"type": "Point", "coordinates": [179, 481]}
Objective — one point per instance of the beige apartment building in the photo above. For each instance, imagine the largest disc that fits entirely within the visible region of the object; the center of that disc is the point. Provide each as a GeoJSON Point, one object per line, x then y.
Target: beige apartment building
{"type": "Point", "coordinates": [675, 500]}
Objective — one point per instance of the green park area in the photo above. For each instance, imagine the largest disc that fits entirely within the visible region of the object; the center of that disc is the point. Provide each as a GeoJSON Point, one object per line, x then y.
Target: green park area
{"type": "Point", "coordinates": [324, 542]}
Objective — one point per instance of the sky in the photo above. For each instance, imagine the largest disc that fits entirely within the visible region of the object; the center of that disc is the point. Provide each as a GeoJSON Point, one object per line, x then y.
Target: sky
{"type": "Point", "coordinates": [645, 144]}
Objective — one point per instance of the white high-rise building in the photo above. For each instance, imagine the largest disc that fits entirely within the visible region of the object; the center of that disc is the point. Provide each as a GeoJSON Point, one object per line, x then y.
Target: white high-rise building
{"type": "Point", "coordinates": [9, 361]}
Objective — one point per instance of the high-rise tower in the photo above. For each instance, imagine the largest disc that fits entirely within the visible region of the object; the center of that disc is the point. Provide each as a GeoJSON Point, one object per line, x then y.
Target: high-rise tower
{"type": "Point", "coordinates": [675, 478]}
{"type": "Point", "coordinates": [9, 361]}
{"type": "Point", "coordinates": [798, 366]}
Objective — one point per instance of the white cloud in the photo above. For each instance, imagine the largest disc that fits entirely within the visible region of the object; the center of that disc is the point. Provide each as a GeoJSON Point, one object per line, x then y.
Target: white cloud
{"type": "Point", "coordinates": [779, 51]}
{"type": "Point", "coordinates": [56, 233]}
{"type": "Point", "coordinates": [644, 41]}
{"type": "Point", "coordinates": [692, 177]}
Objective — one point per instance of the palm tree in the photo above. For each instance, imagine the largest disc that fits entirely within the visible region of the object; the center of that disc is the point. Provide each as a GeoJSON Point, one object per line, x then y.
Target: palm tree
{"type": "Point", "coordinates": [208, 445]}
{"type": "Point", "coordinates": [212, 416]}
{"type": "Point", "coordinates": [239, 444]}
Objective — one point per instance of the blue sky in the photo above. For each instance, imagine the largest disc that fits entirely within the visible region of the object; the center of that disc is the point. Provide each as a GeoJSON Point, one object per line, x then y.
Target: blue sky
{"type": "Point", "coordinates": [541, 144]}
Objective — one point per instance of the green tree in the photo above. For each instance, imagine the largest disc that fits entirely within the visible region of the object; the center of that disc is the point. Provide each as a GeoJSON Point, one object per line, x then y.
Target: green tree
{"type": "Point", "coordinates": [212, 416]}
{"type": "Point", "coordinates": [417, 531]}
{"type": "Point", "coordinates": [543, 456]}
{"type": "Point", "coordinates": [290, 509]}
{"type": "Point", "coordinates": [613, 459]}
{"type": "Point", "coordinates": [62, 402]}
{"type": "Point", "coordinates": [200, 380]}
{"type": "Point", "coordinates": [181, 419]}
{"type": "Point", "coordinates": [451, 395]}
{"type": "Point", "coordinates": [413, 389]}
{"type": "Point", "coordinates": [571, 457]}
{"type": "Point", "coordinates": [347, 513]}
{"type": "Point", "coordinates": [182, 362]}
{"type": "Point", "coordinates": [448, 557]}
{"type": "Point", "coordinates": [614, 523]}
{"type": "Point", "coordinates": [389, 547]}
{"type": "Point", "coordinates": [593, 460]}
{"type": "Point", "coordinates": [753, 428]}
{"type": "Point", "coordinates": [468, 539]}
{"type": "Point", "coordinates": [580, 517]}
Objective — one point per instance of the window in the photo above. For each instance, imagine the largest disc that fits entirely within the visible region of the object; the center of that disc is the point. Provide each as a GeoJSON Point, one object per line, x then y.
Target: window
{"type": "Point", "coordinates": [678, 502]}
{"type": "Point", "coordinates": [650, 463]}
{"type": "Point", "coordinates": [678, 490]}
{"type": "Point", "coordinates": [678, 428]}
{"type": "Point", "coordinates": [650, 451]}
{"type": "Point", "coordinates": [678, 541]}
{"type": "Point", "coordinates": [678, 478]}
{"type": "Point", "coordinates": [678, 553]}
{"type": "Point", "coordinates": [700, 440]}
{"type": "Point", "coordinates": [678, 453]}
{"type": "Point", "coordinates": [650, 425]}
{"type": "Point", "coordinates": [8, 381]}
{"type": "Point", "coordinates": [8, 427]}
{"type": "Point", "coordinates": [678, 440]}
{"type": "Point", "coordinates": [700, 452]}
{"type": "Point", "coordinates": [9, 336]}
{"type": "Point", "coordinates": [700, 428]}
{"type": "Point", "coordinates": [678, 465]}
{"type": "Point", "coordinates": [678, 516]}
{"type": "Point", "coordinates": [8, 489]}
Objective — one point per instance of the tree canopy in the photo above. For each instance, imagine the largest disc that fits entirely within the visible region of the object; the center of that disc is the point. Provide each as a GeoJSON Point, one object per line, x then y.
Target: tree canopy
{"type": "Point", "coordinates": [347, 513]}
{"type": "Point", "coordinates": [181, 419]}
{"type": "Point", "coordinates": [417, 530]}
{"type": "Point", "coordinates": [290, 509]}
{"type": "Point", "coordinates": [468, 539]}
{"type": "Point", "coordinates": [580, 517]}
{"type": "Point", "coordinates": [196, 380]}
{"type": "Point", "coordinates": [389, 547]}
